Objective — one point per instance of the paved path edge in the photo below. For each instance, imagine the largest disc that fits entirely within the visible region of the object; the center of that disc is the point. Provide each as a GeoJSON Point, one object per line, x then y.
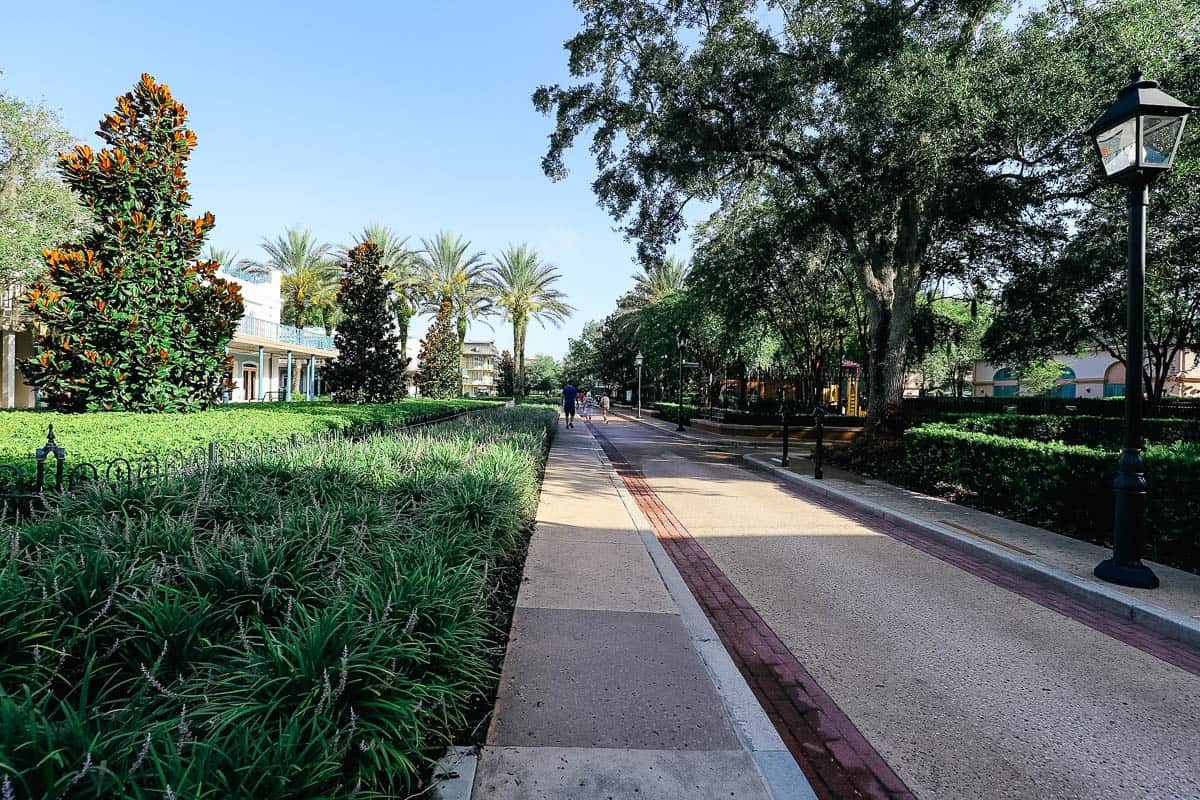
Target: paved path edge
{"type": "Point", "coordinates": [778, 769]}
{"type": "Point", "coordinates": [1159, 620]}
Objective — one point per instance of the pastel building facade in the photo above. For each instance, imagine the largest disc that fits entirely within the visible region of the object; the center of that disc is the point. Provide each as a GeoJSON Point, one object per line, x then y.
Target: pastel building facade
{"type": "Point", "coordinates": [1094, 374]}
{"type": "Point", "coordinates": [479, 360]}
{"type": "Point", "coordinates": [271, 361]}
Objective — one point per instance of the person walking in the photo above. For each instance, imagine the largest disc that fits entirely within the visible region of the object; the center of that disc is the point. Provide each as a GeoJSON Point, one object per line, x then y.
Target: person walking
{"type": "Point", "coordinates": [570, 396]}
{"type": "Point", "coordinates": [604, 405]}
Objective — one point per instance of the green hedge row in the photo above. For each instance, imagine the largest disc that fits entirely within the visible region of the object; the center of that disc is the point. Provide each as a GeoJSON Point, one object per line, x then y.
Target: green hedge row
{"type": "Point", "coordinates": [318, 624]}
{"type": "Point", "coordinates": [670, 411]}
{"type": "Point", "coordinates": [1064, 487]}
{"type": "Point", "coordinates": [1090, 431]}
{"type": "Point", "coordinates": [101, 436]}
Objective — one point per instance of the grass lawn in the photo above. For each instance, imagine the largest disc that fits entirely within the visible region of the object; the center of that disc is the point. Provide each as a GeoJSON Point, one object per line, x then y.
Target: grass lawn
{"type": "Point", "coordinates": [102, 436]}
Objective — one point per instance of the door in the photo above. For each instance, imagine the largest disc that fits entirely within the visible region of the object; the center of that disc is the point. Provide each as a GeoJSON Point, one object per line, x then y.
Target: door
{"type": "Point", "coordinates": [250, 383]}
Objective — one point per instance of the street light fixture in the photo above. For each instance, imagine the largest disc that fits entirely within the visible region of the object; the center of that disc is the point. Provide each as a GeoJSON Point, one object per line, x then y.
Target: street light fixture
{"type": "Point", "coordinates": [681, 345]}
{"type": "Point", "coordinates": [637, 362]}
{"type": "Point", "coordinates": [1136, 139]}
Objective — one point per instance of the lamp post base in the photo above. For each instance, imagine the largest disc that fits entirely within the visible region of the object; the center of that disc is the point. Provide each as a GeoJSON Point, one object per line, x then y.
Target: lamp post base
{"type": "Point", "coordinates": [1135, 574]}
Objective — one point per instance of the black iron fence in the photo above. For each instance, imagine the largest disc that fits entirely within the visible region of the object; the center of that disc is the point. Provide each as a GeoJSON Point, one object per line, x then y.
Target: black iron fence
{"type": "Point", "coordinates": [25, 486]}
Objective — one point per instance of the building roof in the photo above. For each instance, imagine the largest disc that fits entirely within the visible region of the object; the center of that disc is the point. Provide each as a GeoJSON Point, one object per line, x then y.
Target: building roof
{"type": "Point", "coordinates": [480, 349]}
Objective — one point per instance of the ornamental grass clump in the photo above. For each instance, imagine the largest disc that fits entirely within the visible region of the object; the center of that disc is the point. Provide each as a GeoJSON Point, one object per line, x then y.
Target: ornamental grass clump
{"type": "Point", "coordinates": [317, 624]}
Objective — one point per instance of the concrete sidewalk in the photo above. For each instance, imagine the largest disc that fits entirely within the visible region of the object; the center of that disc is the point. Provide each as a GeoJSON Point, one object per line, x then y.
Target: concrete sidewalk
{"type": "Point", "coordinates": [614, 684]}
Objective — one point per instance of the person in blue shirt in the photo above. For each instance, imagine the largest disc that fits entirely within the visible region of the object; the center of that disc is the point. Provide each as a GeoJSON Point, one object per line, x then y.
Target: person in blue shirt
{"type": "Point", "coordinates": [569, 394]}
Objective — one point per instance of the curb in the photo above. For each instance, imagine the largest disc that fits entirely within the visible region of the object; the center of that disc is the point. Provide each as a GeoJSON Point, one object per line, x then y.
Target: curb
{"type": "Point", "coordinates": [777, 768]}
{"type": "Point", "coordinates": [1153, 618]}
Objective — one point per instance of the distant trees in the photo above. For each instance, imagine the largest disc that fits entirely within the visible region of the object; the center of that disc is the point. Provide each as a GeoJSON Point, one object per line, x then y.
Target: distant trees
{"type": "Point", "coordinates": [369, 367]}
{"type": "Point", "coordinates": [134, 318]}
{"type": "Point", "coordinates": [37, 209]}
{"type": "Point", "coordinates": [544, 374]}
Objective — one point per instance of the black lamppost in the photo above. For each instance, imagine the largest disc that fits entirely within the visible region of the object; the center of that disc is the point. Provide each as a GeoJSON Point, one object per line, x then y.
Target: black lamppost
{"type": "Point", "coordinates": [1136, 139]}
{"type": "Point", "coordinates": [681, 345]}
{"type": "Point", "coordinates": [637, 362]}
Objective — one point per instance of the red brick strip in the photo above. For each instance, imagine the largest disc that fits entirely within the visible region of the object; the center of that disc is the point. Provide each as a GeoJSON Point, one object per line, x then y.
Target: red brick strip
{"type": "Point", "coordinates": [837, 759]}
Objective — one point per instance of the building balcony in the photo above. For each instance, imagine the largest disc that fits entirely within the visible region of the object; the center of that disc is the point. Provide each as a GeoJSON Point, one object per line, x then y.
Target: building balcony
{"type": "Point", "coordinates": [284, 334]}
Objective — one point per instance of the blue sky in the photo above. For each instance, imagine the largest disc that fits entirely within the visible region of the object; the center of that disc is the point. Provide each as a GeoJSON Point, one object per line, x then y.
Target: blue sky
{"type": "Point", "coordinates": [334, 115]}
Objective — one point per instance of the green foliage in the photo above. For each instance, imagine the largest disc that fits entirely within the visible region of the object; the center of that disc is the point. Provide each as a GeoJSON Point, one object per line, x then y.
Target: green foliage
{"type": "Point", "coordinates": [37, 210]}
{"type": "Point", "coordinates": [923, 141]}
{"type": "Point", "coordinates": [581, 366]}
{"type": "Point", "coordinates": [134, 319]}
{"type": "Point", "coordinates": [102, 436]}
{"type": "Point", "coordinates": [505, 375]}
{"type": "Point", "coordinates": [1039, 376]}
{"type": "Point", "coordinates": [670, 411]}
{"type": "Point", "coordinates": [439, 373]}
{"type": "Point", "coordinates": [543, 374]}
{"type": "Point", "coordinates": [946, 342]}
{"type": "Point", "coordinates": [369, 367]}
{"type": "Point", "coordinates": [189, 639]}
{"type": "Point", "coordinates": [1064, 487]}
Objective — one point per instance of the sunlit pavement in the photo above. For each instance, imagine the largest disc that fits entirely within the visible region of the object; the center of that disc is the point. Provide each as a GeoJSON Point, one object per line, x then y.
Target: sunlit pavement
{"type": "Point", "coordinates": [965, 689]}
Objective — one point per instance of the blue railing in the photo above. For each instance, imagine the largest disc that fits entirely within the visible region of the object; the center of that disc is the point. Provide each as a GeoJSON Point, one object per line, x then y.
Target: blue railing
{"type": "Point", "coordinates": [265, 329]}
{"type": "Point", "coordinates": [247, 277]}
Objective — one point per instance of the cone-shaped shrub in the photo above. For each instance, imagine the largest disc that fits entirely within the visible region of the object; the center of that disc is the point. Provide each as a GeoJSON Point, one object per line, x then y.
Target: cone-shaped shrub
{"type": "Point", "coordinates": [370, 365]}
{"type": "Point", "coordinates": [131, 318]}
{"type": "Point", "coordinates": [440, 358]}
{"type": "Point", "coordinates": [506, 374]}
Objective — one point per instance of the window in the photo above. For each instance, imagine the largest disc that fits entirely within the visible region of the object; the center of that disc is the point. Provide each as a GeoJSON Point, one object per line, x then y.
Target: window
{"type": "Point", "coordinates": [1114, 390]}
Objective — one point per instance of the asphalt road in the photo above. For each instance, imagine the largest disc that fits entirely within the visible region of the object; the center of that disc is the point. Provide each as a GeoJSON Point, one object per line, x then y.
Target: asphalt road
{"type": "Point", "coordinates": [967, 690]}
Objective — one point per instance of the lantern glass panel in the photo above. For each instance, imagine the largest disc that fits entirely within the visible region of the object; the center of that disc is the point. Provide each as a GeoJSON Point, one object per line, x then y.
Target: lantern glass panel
{"type": "Point", "coordinates": [1160, 137]}
{"type": "Point", "coordinates": [1116, 146]}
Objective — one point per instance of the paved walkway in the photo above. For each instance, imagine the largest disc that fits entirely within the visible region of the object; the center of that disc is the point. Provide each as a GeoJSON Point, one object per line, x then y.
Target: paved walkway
{"type": "Point", "coordinates": [871, 644]}
{"type": "Point", "coordinates": [614, 684]}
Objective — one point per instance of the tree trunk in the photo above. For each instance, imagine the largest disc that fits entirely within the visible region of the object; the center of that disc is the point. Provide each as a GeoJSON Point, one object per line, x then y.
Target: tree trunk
{"type": "Point", "coordinates": [462, 338]}
{"type": "Point", "coordinates": [519, 368]}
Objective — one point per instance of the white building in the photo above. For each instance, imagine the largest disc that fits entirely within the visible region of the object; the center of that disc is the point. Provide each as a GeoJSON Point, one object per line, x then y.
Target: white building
{"type": "Point", "coordinates": [264, 351]}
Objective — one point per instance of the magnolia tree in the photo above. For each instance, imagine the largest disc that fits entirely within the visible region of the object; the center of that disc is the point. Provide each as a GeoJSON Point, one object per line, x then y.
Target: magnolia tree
{"type": "Point", "coordinates": [439, 372]}
{"type": "Point", "coordinates": [132, 317]}
{"type": "Point", "coordinates": [370, 364]}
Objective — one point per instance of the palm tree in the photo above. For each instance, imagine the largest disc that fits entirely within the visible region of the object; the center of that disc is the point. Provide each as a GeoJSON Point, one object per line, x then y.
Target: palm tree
{"type": "Point", "coordinates": [310, 274]}
{"type": "Point", "coordinates": [659, 280]}
{"type": "Point", "coordinates": [649, 287]}
{"type": "Point", "coordinates": [311, 278]}
{"type": "Point", "coordinates": [402, 269]}
{"type": "Point", "coordinates": [522, 287]}
{"type": "Point", "coordinates": [450, 273]}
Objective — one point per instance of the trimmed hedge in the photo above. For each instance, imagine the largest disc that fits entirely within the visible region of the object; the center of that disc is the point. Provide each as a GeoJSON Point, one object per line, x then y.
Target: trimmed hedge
{"type": "Point", "coordinates": [670, 411]}
{"type": "Point", "coordinates": [102, 435]}
{"type": "Point", "coordinates": [928, 407]}
{"type": "Point", "coordinates": [1090, 431]}
{"type": "Point", "coordinates": [1064, 487]}
{"type": "Point", "coordinates": [317, 624]}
